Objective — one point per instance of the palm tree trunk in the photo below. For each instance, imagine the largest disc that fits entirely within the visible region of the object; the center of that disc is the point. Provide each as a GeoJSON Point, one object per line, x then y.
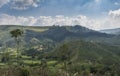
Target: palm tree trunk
{"type": "Point", "coordinates": [17, 55]}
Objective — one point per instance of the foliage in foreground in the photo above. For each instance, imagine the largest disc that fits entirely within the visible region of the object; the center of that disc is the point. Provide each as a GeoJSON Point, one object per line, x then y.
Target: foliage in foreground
{"type": "Point", "coordinates": [72, 70]}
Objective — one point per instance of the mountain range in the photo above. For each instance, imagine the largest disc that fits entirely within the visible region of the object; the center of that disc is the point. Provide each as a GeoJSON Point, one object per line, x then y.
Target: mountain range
{"type": "Point", "coordinates": [52, 34]}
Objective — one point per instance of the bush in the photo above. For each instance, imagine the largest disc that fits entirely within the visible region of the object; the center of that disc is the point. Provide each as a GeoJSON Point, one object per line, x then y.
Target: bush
{"type": "Point", "coordinates": [23, 71]}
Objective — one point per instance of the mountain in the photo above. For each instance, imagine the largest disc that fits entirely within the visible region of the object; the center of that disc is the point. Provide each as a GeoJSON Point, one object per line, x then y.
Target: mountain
{"type": "Point", "coordinates": [111, 31]}
{"type": "Point", "coordinates": [59, 33]}
{"type": "Point", "coordinates": [49, 36]}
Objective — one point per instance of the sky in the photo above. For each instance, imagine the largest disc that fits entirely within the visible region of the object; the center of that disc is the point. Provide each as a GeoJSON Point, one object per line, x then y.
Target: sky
{"type": "Point", "coordinates": [93, 14]}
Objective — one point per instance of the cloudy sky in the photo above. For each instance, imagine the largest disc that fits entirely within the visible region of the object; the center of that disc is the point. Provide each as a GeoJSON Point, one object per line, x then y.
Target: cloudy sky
{"type": "Point", "coordinates": [94, 14]}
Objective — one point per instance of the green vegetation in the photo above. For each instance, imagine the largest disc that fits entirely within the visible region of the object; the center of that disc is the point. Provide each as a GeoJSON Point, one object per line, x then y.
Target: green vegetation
{"type": "Point", "coordinates": [17, 34]}
{"type": "Point", "coordinates": [58, 51]}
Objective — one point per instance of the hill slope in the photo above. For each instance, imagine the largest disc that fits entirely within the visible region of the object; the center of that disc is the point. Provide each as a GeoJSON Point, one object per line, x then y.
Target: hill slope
{"type": "Point", "coordinates": [82, 51]}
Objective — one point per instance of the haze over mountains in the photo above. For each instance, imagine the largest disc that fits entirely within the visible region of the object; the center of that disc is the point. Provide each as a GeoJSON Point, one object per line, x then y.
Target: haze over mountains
{"type": "Point", "coordinates": [111, 31]}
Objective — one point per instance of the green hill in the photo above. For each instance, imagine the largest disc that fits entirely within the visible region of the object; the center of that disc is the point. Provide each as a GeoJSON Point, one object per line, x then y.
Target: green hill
{"type": "Point", "coordinates": [88, 52]}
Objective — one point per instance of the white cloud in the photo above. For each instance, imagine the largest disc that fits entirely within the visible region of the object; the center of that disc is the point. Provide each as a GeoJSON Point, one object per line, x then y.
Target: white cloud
{"type": "Point", "coordinates": [111, 21]}
{"type": "Point", "coordinates": [48, 20]}
{"type": "Point", "coordinates": [117, 3]}
{"type": "Point", "coordinates": [20, 4]}
{"type": "Point", "coordinates": [26, 20]}
{"type": "Point", "coordinates": [3, 2]}
{"type": "Point", "coordinates": [97, 0]}
{"type": "Point", "coordinates": [7, 19]}
{"type": "Point", "coordinates": [24, 4]}
{"type": "Point", "coordinates": [115, 14]}
{"type": "Point", "coordinates": [12, 20]}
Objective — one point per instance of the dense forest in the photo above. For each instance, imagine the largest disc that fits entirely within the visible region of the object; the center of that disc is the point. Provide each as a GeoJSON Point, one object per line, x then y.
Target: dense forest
{"type": "Point", "coordinates": [58, 51]}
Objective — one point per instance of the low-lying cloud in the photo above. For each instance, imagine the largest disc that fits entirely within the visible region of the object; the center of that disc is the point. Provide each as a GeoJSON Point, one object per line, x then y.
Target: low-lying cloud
{"type": "Point", "coordinates": [111, 21]}
{"type": "Point", "coordinates": [47, 20]}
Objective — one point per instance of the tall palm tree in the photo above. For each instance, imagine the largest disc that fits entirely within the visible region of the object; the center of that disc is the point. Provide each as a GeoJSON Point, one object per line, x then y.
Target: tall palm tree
{"type": "Point", "coordinates": [17, 34]}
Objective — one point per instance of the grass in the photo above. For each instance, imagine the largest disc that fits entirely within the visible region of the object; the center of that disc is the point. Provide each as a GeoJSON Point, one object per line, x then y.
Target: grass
{"type": "Point", "coordinates": [31, 62]}
{"type": "Point", "coordinates": [2, 64]}
{"type": "Point", "coordinates": [51, 62]}
{"type": "Point", "coordinates": [26, 57]}
{"type": "Point", "coordinates": [36, 29]}
{"type": "Point", "coordinates": [39, 30]}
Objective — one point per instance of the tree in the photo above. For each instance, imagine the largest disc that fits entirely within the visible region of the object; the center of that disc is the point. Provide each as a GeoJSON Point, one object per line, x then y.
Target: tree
{"type": "Point", "coordinates": [64, 55]}
{"type": "Point", "coordinates": [5, 57]}
{"type": "Point", "coordinates": [17, 34]}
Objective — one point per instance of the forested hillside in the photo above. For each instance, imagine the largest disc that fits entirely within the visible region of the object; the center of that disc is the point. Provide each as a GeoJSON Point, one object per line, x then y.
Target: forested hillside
{"type": "Point", "coordinates": [58, 51]}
